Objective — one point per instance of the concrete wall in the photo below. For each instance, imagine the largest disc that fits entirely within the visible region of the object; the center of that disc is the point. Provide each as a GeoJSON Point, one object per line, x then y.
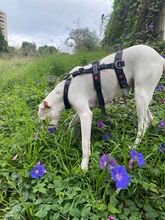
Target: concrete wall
{"type": "Point", "coordinates": [3, 23]}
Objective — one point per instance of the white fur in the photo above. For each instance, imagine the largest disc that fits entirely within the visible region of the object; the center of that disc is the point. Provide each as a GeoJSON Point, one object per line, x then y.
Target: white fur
{"type": "Point", "coordinates": [143, 69]}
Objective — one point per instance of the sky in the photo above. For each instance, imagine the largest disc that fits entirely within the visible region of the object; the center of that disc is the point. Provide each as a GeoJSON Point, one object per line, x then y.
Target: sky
{"type": "Point", "coordinates": [50, 21]}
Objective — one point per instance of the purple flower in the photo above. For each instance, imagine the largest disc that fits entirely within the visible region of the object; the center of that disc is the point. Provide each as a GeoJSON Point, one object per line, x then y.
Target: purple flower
{"type": "Point", "coordinates": [159, 88]}
{"type": "Point", "coordinates": [161, 148]}
{"type": "Point", "coordinates": [161, 124]}
{"type": "Point", "coordinates": [38, 171]}
{"type": "Point", "coordinates": [163, 100]}
{"type": "Point", "coordinates": [137, 156]}
{"type": "Point", "coordinates": [105, 137]}
{"type": "Point", "coordinates": [120, 176]}
{"type": "Point", "coordinates": [51, 130]}
{"type": "Point", "coordinates": [111, 218]}
{"type": "Point", "coordinates": [107, 161]}
{"type": "Point", "coordinates": [151, 26]}
{"type": "Point", "coordinates": [100, 124]}
{"type": "Point", "coordinates": [126, 35]}
{"type": "Point", "coordinates": [163, 56]}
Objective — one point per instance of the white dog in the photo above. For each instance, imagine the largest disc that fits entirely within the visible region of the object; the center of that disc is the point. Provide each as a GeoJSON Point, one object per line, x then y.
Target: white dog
{"type": "Point", "coordinates": [143, 70]}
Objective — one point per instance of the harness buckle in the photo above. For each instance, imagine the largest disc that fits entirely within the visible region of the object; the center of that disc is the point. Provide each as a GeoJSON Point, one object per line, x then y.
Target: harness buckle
{"type": "Point", "coordinates": [95, 66]}
{"type": "Point", "coordinates": [119, 64]}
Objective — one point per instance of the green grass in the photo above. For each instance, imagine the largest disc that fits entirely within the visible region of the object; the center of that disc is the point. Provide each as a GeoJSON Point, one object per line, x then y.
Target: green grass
{"type": "Point", "coordinates": [65, 192]}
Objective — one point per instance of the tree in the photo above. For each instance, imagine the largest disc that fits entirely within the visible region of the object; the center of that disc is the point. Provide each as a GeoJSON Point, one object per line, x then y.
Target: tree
{"type": "Point", "coordinates": [28, 49]}
{"type": "Point", "coordinates": [3, 43]}
{"type": "Point", "coordinates": [82, 39]}
{"type": "Point", "coordinates": [132, 22]}
{"type": "Point", "coordinates": [45, 50]}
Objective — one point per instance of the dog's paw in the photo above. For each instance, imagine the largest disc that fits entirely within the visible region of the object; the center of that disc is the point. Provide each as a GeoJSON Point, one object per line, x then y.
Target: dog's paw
{"type": "Point", "coordinates": [84, 164]}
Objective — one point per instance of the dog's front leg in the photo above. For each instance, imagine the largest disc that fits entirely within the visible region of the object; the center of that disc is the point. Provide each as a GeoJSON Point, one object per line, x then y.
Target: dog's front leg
{"type": "Point", "coordinates": [86, 121]}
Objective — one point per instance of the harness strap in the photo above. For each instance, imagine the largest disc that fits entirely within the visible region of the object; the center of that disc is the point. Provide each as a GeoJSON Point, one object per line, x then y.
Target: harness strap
{"type": "Point", "coordinates": [101, 67]}
{"type": "Point", "coordinates": [119, 70]}
{"type": "Point", "coordinates": [95, 70]}
{"type": "Point", "coordinates": [97, 85]}
{"type": "Point", "coordinates": [65, 93]}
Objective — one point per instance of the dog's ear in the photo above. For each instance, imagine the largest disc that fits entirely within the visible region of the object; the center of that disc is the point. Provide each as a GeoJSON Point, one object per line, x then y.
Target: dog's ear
{"type": "Point", "coordinates": [45, 104]}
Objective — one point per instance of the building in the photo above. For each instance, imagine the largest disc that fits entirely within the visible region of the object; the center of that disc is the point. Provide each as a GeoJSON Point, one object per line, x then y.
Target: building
{"type": "Point", "coordinates": [160, 27]}
{"type": "Point", "coordinates": [3, 23]}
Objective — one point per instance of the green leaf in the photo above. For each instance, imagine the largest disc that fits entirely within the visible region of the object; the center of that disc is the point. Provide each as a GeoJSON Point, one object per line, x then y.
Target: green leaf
{"type": "Point", "coordinates": [85, 212]}
{"type": "Point", "coordinates": [75, 212]}
{"type": "Point", "coordinates": [40, 188]}
{"type": "Point", "coordinates": [112, 209]}
{"type": "Point", "coordinates": [113, 199]}
{"type": "Point", "coordinates": [42, 212]}
{"type": "Point", "coordinates": [66, 208]}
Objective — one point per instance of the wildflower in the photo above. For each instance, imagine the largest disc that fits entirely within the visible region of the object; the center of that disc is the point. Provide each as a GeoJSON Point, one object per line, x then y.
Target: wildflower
{"type": "Point", "coordinates": [163, 56]}
{"type": "Point", "coordinates": [51, 130]}
{"type": "Point", "coordinates": [15, 157]}
{"type": "Point", "coordinates": [38, 171]}
{"type": "Point", "coordinates": [105, 137]}
{"type": "Point", "coordinates": [111, 218]}
{"type": "Point", "coordinates": [151, 26]}
{"type": "Point", "coordinates": [163, 100]}
{"type": "Point", "coordinates": [126, 36]}
{"type": "Point", "coordinates": [120, 176]}
{"type": "Point", "coordinates": [131, 164]}
{"type": "Point", "coordinates": [137, 156]}
{"type": "Point", "coordinates": [159, 88]}
{"type": "Point", "coordinates": [161, 148]}
{"type": "Point", "coordinates": [100, 124]}
{"type": "Point", "coordinates": [35, 135]}
{"type": "Point", "coordinates": [107, 161]}
{"type": "Point", "coordinates": [161, 124]}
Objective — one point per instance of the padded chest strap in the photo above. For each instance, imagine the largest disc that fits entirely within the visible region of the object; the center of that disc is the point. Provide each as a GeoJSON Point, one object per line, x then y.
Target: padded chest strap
{"type": "Point", "coordinates": [119, 64]}
{"type": "Point", "coordinates": [65, 93]}
{"type": "Point", "coordinates": [97, 85]}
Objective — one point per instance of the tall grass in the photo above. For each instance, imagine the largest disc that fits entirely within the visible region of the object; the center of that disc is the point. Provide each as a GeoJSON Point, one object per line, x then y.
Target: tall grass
{"type": "Point", "coordinates": [65, 192]}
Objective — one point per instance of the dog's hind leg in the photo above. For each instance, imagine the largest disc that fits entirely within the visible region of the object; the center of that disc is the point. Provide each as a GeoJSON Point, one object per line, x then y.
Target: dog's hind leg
{"type": "Point", "coordinates": [149, 117]}
{"type": "Point", "coordinates": [74, 120]}
{"type": "Point", "coordinates": [85, 115]}
{"type": "Point", "coordinates": [144, 116]}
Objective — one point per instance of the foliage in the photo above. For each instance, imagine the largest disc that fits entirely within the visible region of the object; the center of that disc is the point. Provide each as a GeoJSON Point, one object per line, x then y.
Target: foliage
{"type": "Point", "coordinates": [28, 49]}
{"type": "Point", "coordinates": [3, 43]}
{"type": "Point", "coordinates": [159, 46]}
{"type": "Point", "coordinates": [46, 50]}
{"type": "Point", "coordinates": [83, 39]}
{"type": "Point", "coordinates": [65, 192]}
{"type": "Point", "coordinates": [133, 22]}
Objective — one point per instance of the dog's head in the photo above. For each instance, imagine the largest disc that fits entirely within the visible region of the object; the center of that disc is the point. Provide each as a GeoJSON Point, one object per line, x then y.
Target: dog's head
{"type": "Point", "coordinates": [47, 112]}
{"type": "Point", "coordinates": [51, 107]}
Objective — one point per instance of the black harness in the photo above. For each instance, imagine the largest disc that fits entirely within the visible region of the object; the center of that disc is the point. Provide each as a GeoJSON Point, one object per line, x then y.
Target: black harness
{"type": "Point", "coordinates": [95, 70]}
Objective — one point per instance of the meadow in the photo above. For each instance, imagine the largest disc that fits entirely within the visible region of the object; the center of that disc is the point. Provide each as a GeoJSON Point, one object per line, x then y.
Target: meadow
{"type": "Point", "coordinates": [64, 192]}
